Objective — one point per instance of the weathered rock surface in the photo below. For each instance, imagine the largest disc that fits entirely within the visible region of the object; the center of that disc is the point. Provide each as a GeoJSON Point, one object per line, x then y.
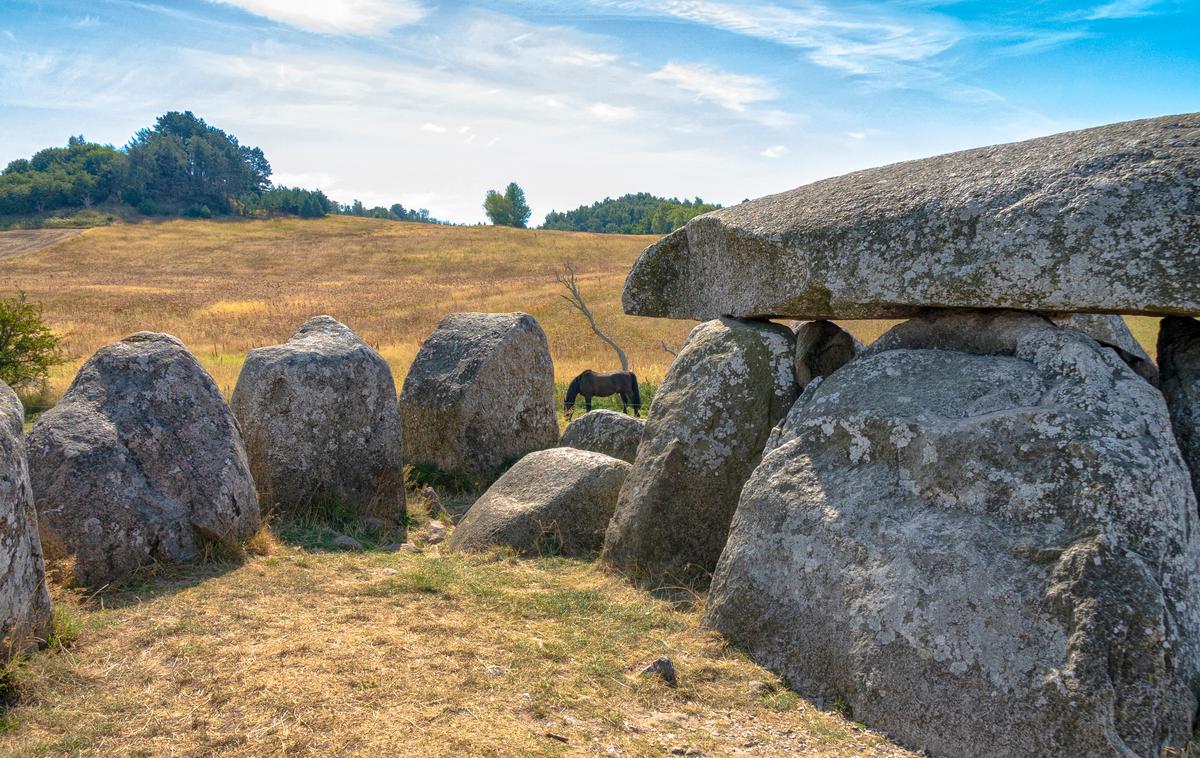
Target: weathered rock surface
{"type": "Point", "coordinates": [479, 394]}
{"type": "Point", "coordinates": [1103, 220]}
{"type": "Point", "coordinates": [12, 411]}
{"type": "Point", "coordinates": [1179, 379]}
{"type": "Point", "coordinates": [981, 534]}
{"type": "Point", "coordinates": [321, 423]}
{"type": "Point", "coordinates": [822, 347]}
{"type": "Point", "coordinates": [605, 431]}
{"type": "Point", "coordinates": [732, 381]}
{"type": "Point", "coordinates": [140, 461]}
{"type": "Point", "coordinates": [555, 501]}
{"type": "Point", "coordinates": [25, 615]}
{"type": "Point", "coordinates": [1113, 332]}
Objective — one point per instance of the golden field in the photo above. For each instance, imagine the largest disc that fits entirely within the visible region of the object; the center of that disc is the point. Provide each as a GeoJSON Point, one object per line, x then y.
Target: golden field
{"type": "Point", "coordinates": [227, 287]}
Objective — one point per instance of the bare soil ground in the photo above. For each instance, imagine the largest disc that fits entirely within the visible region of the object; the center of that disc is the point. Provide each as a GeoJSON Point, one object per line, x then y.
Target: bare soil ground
{"type": "Point", "coordinates": [20, 242]}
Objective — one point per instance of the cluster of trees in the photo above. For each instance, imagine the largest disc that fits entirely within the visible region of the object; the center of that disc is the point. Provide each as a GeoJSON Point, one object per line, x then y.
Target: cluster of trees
{"type": "Point", "coordinates": [507, 208]}
{"type": "Point", "coordinates": [394, 212]}
{"type": "Point", "coordinates": [641, 213]}
{"type": "Point", "coordinates": [180, 165]}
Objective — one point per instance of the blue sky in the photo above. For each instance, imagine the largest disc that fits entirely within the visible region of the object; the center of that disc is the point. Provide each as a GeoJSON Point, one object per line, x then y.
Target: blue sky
{"type": "Point", "coordinates": [430, 102]}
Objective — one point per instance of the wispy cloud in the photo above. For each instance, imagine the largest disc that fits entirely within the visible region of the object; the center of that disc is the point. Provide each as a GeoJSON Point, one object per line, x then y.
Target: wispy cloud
{"type": "Point", "coordinates": [867, 41]}
{"type": "Point", "coordinates": [732, 91]}
{"type": "Point", "coordinates": [777, 151]}
{"type": "Point", "coordinates": [353, 17]}
{"type": "Point", "coordinates": [85, 22]}
{"type": "Point", "coordinates": [433, 128]}
{"type": "Point", "coordinates": [1121, 9]}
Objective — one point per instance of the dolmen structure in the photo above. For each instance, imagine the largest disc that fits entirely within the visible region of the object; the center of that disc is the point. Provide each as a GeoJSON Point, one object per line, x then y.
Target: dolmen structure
{"type": "Point", "coordinates": [979, 533]}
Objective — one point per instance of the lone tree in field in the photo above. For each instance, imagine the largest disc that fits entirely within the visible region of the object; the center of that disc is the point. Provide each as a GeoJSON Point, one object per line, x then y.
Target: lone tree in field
{"type": "Point", "coordinates": [574, 298]}
{"type": "Point", "coordinates": [28, 349]}
{"type": "Point", "coordinates": [509, 208]}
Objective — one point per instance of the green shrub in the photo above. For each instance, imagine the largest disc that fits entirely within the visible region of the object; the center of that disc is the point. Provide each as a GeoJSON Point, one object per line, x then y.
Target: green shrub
{"type": "Point", "coordinates": [28, 348]}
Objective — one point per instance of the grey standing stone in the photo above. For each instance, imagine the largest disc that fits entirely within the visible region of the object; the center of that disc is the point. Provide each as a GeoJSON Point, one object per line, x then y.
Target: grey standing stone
{"type": "Point", "coordinates": [555, 501]}
{"type": "Point", "coordinates": [25, 613]}
{"type": "Point", "coordinates": [12, 411]}
{"type": "Point", "coordinates": [981, 535]}
{"type": "Point", "coordinates": [605, 431]}
{"type": "Point", "coordinates": [1103, 220]}
{"type": "Point", "coordinates": [140, 461]}
{"type": "Point", "coordinates": [479, 394]}
{"type": "Point", "coordinates": [822, 347]}
{"type": "Point", "coordinates": [1179, 366]}
{"type": "Point", "coordinates": [731, 382]}
{"type": "Point", "coordinates": [322, 424]}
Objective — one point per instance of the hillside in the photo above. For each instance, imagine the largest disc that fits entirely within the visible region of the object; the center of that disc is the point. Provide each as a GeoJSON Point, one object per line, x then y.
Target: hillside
{"type": "Point", "coordinates": [227, 287]}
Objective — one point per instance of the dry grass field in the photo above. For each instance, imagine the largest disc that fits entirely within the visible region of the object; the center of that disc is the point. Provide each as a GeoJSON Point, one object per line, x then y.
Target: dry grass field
{"type": "Point", "coordinates": [225, 288]}
{"type": "Point", "coordinates": [310, 653]}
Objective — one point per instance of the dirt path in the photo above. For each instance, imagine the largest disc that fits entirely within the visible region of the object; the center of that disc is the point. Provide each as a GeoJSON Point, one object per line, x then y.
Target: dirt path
{"type": "Point", "coordinates": [24, 241]}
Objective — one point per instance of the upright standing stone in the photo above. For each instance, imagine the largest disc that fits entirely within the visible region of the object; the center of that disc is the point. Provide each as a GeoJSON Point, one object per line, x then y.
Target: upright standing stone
{"type": "Point", "coordinates": [12, 411]}
{"type": "Point", "coordinates": [822, 347]}
{"type": "Point", "coordinates": [1103, 220]}
{"type": "Point", "coordinates": [321, 423]}
{"type": "Point", "coordinates": [1179, 379]}
{"type": "Point", "coordinates": [981, 536]}
{"type": "Point", "coordinates": [729, 385]}
{"type": "Point", "coordinates": [140, 461]}
{"type": "Point", "coordinates": [25, 615]}
{"type": "Point", "coordinates": [479, 394]}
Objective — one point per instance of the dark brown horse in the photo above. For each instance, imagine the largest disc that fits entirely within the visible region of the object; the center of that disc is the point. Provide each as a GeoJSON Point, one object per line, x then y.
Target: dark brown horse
{"type": "Point", "coordinates": [591, 384]}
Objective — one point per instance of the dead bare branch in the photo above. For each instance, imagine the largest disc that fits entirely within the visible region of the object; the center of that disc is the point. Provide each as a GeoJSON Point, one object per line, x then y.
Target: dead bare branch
{"type": "Point", "coordinates": [568, 279]}
{"type": "Point", "coordinates": [662, 344]}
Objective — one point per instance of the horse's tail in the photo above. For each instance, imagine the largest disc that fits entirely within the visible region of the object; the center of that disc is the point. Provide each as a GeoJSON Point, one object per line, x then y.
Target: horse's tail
{"type": "Point", "coordinates": [572, 391]}
{"type": "Point", "coordinates": [637, 395]}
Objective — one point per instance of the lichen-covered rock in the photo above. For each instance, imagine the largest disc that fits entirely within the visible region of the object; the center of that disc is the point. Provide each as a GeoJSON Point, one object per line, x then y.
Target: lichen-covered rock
{"type": "Point", "coordinates": [731, 382]}
{"type": "Point", "coordinates": [605, 431]}
{"type": "Point", "coordinates": [552, 502]}
{"type": "Point", "coordinates": [479, 394]}
{"type": "Point", "coordinates": [981, 535]}
{"type": "Point", "coordinates": [25, 615]}
{"type": "Point", "coordinates": [12, 411]}
{"type": "Point", "coordinates": [1179, 379]}
{"type": "Point", "coordinates": [1099, 220]}
{"type": "Point", "coordinates": [140, 461]}
{"type": "Point", "coordinates": [822, 347]}
{"type": "Point", "coordinates": [1113, 332]}
{"type": "Point", "coordinates": [321, 423]}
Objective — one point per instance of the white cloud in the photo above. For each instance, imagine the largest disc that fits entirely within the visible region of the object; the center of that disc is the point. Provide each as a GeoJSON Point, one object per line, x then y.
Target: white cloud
{"type": "Point", "coordinates": [1120, 9]}
{"type": "Point", "coordinates": [433, 128]}
{"type": "Point", "coordinates": [606, 112]}
{"type": "Point", "coordinates": [355, 17]}
{"type": "Point", "coordinates": [732, 91]}
{"type": "Point", "coordinates": [778, 151]}
{"type": "Point", "coordinates": [85, 22]}
{"type": "Point", "coordinates": [8, 35]}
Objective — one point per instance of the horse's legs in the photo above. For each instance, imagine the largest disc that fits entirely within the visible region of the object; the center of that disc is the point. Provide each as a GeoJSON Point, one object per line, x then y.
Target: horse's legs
{"type": "Point", "coordinates": [624, 401]}
{"type": "Point", "coordinates": [587, 403]}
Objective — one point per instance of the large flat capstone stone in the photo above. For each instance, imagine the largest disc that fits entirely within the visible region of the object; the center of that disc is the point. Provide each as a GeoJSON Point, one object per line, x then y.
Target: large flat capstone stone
{"type": "Point", "coordinates": [1103, 220]}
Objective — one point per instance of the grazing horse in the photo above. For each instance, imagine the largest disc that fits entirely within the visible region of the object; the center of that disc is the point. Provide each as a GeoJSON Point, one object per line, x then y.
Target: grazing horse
{"type": "Point", "coordinates": [591, 384]}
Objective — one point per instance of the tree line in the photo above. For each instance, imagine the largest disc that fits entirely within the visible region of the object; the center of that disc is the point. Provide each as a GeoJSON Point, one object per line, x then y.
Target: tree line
{"type": "Point", "coordinates": [181, 166]}
{"type": "Point", "coordinates": [640, 213]}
